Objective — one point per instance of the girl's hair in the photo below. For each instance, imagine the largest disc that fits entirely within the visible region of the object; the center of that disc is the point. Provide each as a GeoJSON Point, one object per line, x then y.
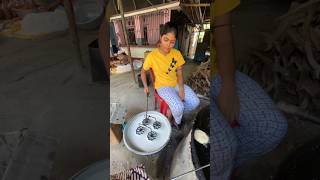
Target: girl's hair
{"type": "Point", "coordinates": [169, 27]}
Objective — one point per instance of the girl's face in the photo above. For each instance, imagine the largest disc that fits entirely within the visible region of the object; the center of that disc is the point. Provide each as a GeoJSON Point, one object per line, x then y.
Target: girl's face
{"type": "Point", "coordinates": [167, 42]}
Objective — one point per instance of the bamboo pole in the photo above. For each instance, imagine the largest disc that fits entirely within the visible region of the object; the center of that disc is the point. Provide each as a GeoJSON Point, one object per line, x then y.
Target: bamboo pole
{"type": "Point", "coordinates": [195, 4]}
{"type": "Point", "coordinates": [73, 31]}
{"type": "Point", "coordinates": [158, 7]}
{"type": "Point", "coordinates": [134, 5]}
{"type": "Point", "coordinates": [126, 38]}
{"type": "Point", "coordinates": [103, 40]}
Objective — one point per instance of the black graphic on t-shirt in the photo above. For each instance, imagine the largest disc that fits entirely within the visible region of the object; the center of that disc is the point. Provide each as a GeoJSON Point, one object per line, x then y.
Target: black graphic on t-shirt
{"type": "Point", "coordinates": [171, 66]}
{"type": "Point", "coordinates": [174, 61]}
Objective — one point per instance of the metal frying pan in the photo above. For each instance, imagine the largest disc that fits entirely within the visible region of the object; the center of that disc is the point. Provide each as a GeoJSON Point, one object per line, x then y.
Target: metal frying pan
{"type": "Point", "coordinates": [147, 133]}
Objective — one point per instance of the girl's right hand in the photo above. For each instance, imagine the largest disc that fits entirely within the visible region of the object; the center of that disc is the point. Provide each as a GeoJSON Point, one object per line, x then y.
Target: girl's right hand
{"type": "Point", "coordinates": [146, 90]}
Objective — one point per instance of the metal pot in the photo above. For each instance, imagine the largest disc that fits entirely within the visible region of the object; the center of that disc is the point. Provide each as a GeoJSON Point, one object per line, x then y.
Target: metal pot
{"type": "Point", "coordinates": [191, 155]}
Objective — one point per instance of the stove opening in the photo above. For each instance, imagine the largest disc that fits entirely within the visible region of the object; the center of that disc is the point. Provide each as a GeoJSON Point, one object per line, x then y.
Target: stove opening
{"type": "Point", "coordinates": [200, 153]}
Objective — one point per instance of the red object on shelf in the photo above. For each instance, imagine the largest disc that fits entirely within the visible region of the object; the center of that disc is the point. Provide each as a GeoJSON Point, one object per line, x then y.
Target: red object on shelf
{"type": "Point", "coordinates": [157, 99]}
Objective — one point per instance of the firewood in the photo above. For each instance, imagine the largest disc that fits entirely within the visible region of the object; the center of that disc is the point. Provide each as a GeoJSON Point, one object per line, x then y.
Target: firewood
{"type": "Point", "coordinates": [295, 38]}
{"type": "Point", "coordinates": [199, 80]}
{"type": "Point", "coordinates": [315, 37]}
{"type": "Point", "coordinates": [288, 66]}
{"type": "Point", "coordinates": [291, 109]}
{"type": "Point", "coordinates": [311, 59]}
{"type": "Point", "coordinates": [312, 87]}
{"type": "Point", "coordinates": [298, 8]}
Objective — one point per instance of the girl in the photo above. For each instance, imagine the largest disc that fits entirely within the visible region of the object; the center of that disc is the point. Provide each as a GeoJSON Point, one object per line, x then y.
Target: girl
{"type": "Point", "coordinates": [167, 66]}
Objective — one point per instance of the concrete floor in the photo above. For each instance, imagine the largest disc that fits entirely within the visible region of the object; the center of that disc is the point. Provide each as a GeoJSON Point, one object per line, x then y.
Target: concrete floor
{"type": "Point", "coordinates": [124, 90]}
{"type": "Point", "coordinates": [42, 89]}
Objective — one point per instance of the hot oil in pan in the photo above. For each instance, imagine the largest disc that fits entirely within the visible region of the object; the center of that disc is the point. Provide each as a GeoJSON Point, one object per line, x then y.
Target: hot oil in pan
{"type": "Point", "coordinates": [200, 153]}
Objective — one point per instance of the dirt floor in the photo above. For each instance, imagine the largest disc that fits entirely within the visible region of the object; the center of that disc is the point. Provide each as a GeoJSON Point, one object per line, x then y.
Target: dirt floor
{"type": "Point", "coordinates": [42, 89]}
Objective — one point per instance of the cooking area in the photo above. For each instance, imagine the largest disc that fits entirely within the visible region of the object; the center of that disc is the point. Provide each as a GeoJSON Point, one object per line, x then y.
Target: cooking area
{"type": "Point", "coordinates": [255, 24]}
{"type": "Point", "coordinates": [149, 141]}
{"type": "Point", "coordinates": [58, 71]}
{"type": "Point", "coordinates": [142, 134]}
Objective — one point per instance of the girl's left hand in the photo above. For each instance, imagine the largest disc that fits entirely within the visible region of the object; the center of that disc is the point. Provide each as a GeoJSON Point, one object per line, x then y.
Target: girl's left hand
{"type": "Point", "coordinates": [181, 94]}
{"type": "Point", "coordinates": [228, 103]}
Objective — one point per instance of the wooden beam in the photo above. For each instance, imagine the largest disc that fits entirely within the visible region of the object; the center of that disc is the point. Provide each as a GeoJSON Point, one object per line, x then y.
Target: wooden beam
{"type": "Point", "coordinates": [149, 2]}
{"type": "Point", "coordinates": [189, 14]}
{"type": "Point", "coordinates": [197, 12]}
{"type": "Point", "coordinates": [203, 15]}
{"type": "Point", "coordinates": [126, 39]}
{"type": "Point", "coordinates": [103, 40]}
{"type": "Point", "coordinates": [169, 5]}
{"type": "Point", "coordinates": [134, 5]}
{"type": "Point", "coordinates": [193, 17]}
{"type": "Point", "coordinates": [195, 4]}
{"type": "Point", "coordinates": [115, 7]}
{"type": "Point", "coordinates": [104, 37]}
{"type": "Point", "coordinates": [186, 12]}
{"type": "Point", "coordinates": [73, 31]}
{"type": "Point", "coordinates": [200, 13]}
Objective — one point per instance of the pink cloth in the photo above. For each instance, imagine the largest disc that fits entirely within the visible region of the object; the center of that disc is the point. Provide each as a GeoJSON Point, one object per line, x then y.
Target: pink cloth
{"type": "Point", "coordinates": [119, 32]}
{"type": "Point", "coordinates": [152, 22]}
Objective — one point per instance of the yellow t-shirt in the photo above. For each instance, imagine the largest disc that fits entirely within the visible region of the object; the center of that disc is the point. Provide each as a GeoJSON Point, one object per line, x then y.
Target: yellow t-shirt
{"type": "Point", "coordinates": [164, 66]}
{"type": "Point", "coordinates": [218, 8]}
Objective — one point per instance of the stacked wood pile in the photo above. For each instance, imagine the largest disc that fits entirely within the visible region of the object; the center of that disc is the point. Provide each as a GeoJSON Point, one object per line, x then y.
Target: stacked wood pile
{"type": "Point", "coordinates": [120, 59]}
{"type": "Point", "coordinates": [288, 67]}
{"type": "Point", "coordinates": [114, 61]}
{"type": "Point", "coordinates": [199, 81]}
{"type": "Point", "coordinates": [6, 11]}
{"type": "Point", "coordinates": [10, 9]}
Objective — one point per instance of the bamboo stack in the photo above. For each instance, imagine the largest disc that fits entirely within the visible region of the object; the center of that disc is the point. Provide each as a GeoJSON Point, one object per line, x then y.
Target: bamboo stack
{"type": "Point", "coordinates": [199, 81]}
{"type": "Point", "coordinates": [288, 67]}
{"type": "Point", "coordinates": [10, 9]}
